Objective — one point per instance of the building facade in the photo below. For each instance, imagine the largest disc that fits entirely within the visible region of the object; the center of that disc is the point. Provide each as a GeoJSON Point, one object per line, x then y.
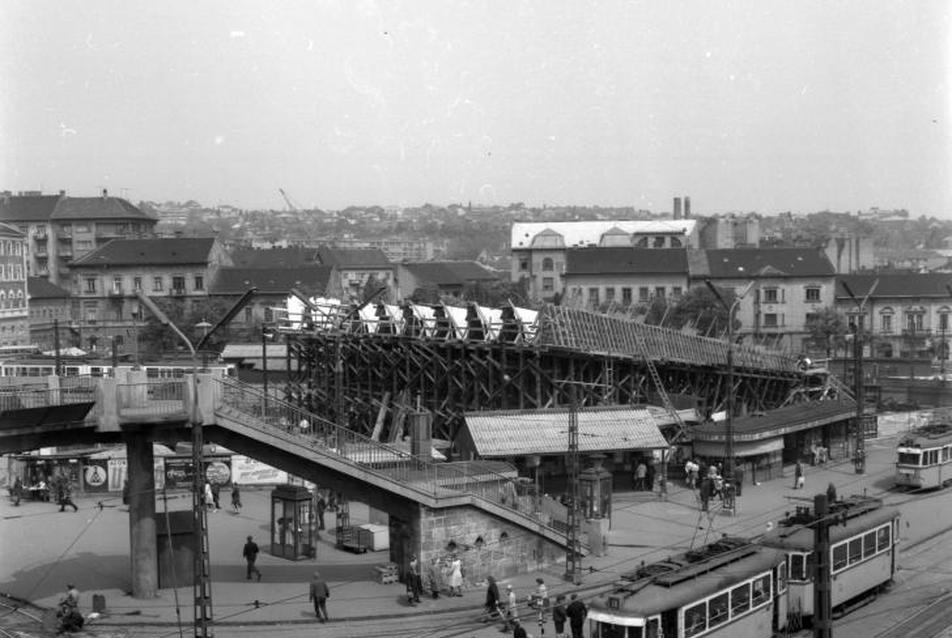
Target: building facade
{"type": "Point", "coordinates": [61, 228]}
{"type": "Point", "coordinates": [539, 248]}
{"type": "Point", "coordinates": [50, 310]}
{"type": "Point", "coordinates": [14, 301]}
{"type": "Point", "coordinates": [357, 266]}
{"type": "Point", "coordinates": [621, 277]}
{"type": "Point", "coordinates": [446, 277]}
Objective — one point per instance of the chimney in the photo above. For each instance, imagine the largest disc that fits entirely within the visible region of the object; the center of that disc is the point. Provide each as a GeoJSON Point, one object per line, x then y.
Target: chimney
{"type": "Point", "coordinates": [677, 208]}
{"type": "Point", "coordinates": [105, 193]}
{"type": "Point", "coordinates": [421, 434]}
{"type": "Point", "coordinates": [687, 207]}
{"type": "Point", "coordinates": [62, 193]}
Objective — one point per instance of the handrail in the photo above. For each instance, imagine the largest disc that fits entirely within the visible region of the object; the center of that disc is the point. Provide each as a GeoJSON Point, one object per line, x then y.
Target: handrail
{"type": "Point", "coordinates": [380, 459]}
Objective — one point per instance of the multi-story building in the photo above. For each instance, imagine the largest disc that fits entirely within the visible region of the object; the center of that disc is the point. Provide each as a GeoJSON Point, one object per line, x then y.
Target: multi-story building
{"type": "Point", "coordinates": [446, 277]}
{"type": "Point", "coordinates": [908, 313]}
{"type": "Point", "coordinates": [357, 266]}
{"type": "Point", "coordinates": [273, 286]}
{"type": "Point", "coordinates": [61, 229]}
{"type": "Point", "coordinates": [789, 286]}
{"type": "Point", "coordinates": [729, 231]}
{"type": "Point", "coordinates": [399, 249]}
{"type": "Point", "coordinates": [106, 280]}
{"type": "Point", "coordinates": [14, 306]}
{"type": "Point", "coordinates": [539, 248]}
{"type": "Point", "coordinates": [623, 276]}
{"type": "Point", "coordinates": [50, 310]}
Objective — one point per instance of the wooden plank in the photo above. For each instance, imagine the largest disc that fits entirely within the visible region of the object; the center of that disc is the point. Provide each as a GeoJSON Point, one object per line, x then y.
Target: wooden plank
{"type": "Point", "coordinates": [381, 415]}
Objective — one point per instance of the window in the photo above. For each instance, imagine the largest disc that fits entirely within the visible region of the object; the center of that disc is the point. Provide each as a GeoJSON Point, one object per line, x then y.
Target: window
{"type": "Point", "coordinates": [523, 265]}
{"type": "Point", "coordinates": [642, 242]}
{"type": "Point", "coordinates": [547, 264]}
{"type": "Point", "coordinates": [839, 557]}
{"type": "Point", "coordinates": [886, 323]}
{"type": "Point", "coordinates": [268, 314]}
{"type": "Point", "coordinates": [157, 284]}
{"type": "Point", "coordinates": [914, 321]}
{"type": "Point", "coordinates": [856, 550]}
{"type": "Point", "coordinates": [90, 284]}
{"type": "Point", "coordinates": [658, 242]}
{"type": "Point", "coordinates": [770, 295]}
{"type": "Point", "coordinates": [610, 293]}
{"type": "Point", "coordinates": [643, 294]}
{"type": "Point", "coordinates": [869, 544]}
{"type": "Point", "coordinates": [695, 619]}
{"type": "Point", "coordinates": [593, 296]}
{"type": "Point", "coordinates": [798, 566]}
{"type": "Point", "coordinates": [178, 283]}
{"type": "Point", "coordinates": [761, 590]}
{"type": "Point", "coordinates": [813, 294]}
{"type": "Point", "coordinates": [882, 538]}
{"type": "Point", "coordinates": [626, 296]}
{"type": "Point", "coordinates": [137, 283]}
{"type": "Point", "coordinates": [659, 291]}
{"type": "Point", "coordinates": [676, 243]}
{"type": "Point", "coordinates": [117, 284]}
{"type": "Point", "coordinates": [199, 282]}
{"type": "Point", "coordinates": [677, 291]}
{"type": "Point", "coordinates": [548, 284]}
{"type": "Point", "coordinates": [782, 577]}
{"type": "Point", "coordinates": [247, 315]}
{"type": "Point", "coordinates": [718, 610]}
{"type": "Point", "coordinates": [944, 321]}
{"type": "Point", "coordinates": [770, 320]}
{"type": "Point", "coordinates": [740, 599]}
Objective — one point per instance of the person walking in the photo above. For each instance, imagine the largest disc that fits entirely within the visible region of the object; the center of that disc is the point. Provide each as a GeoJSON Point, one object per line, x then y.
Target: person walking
{"type": "Point", "coordinates": [216, 495]}
{"type": "Point", "coordinates": [66, 496]}
{"type": "Point", "coordinates": [798, 478]}
{"type": "Point", "coordinates": [209, 497]}
{"type": "Point", "coordinates": [576, 611]}
{"type": "Point", "coordinates": [319, 593]}
{"type": "Point", "coordinates": [235, 498]}
{"type": "Point", "coordinates": [456, 576]}
{"type": "Point", "coordinates": [68, 614]}
{"type": "Point", "coordinates": [414, 582]}
{"type": "Point", "coordinates": [738, 478]}
{"type": "Point", "coordinates": [640, 472]}
{"type": "Point", "coordinates": [541, 597]}
{"type": "Point", "coordinates": [321, 507]}
{"type": "Point", "coordinates": [512, 608]}
{"type": "Point", "coordinates": [830, 493]}
{"type": "Point", "coordinates": [492, 598]}
{"type": "Point", "coordinates": [559, 616]}
{"type": "Point", "coordinates": [17, 491]}
{"type": "Point", "coordinates": [434, 578]}
{"type": "Point", "coordinates": [650, 477]}
{"type": "Point", "coordinates": [250, 552]}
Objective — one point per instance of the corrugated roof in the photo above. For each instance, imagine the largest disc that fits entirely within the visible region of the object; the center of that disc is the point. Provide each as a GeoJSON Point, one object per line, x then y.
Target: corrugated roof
{"type": "Point", "coordinates": [97, 208]}
{"type": "Point", "coordinates": [780, 421]}
{"type": "Point", "coordinates": [448, 273]}
{"type": "Point", "coordinates": [352, 257]}
{"type": "Point", "coordinates": [166, 251]}
{"type": "Point", "coordinates": [627, 260]}
{"type": "Point", "coordinates": [516, 433]}
{"type": "Point", "coordinates": [590, 233]}
{"type": "Point", "coordinates": [896, 285]}
{"type": "Point", "coordinates": [271, 280]}
{"type": "Point", "coordinates": [731, 263]}
{"type": "Point", "coordinates": [27, 208]}
{"type": "Point", "coordinates": [39, 288]}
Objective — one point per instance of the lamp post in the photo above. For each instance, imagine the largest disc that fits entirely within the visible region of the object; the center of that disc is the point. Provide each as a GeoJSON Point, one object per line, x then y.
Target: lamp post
{"type": "Point", "coordinates": [859, 458]}
{"type": "Point", "coordinates": [729, 422]}
{"type": "Point", "coordinates": [265, 335]}
{"type": "Point", "coordinates": [204, 326]}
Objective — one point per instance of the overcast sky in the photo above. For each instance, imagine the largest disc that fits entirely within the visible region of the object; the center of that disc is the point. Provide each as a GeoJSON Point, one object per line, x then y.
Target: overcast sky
{"type": "Point", "coordinates": [743, 105]}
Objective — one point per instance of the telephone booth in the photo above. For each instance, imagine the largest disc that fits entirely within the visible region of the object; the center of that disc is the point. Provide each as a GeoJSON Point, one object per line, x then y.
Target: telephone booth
{"type": "Point", "coordinates": [291, 531]}
{"type": "Point", "coordinates": [595, 485]}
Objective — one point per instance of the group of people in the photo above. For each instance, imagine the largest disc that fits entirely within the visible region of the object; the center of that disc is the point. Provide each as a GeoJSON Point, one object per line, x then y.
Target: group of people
{"type": "Point", "coordinates": [212, 497]}
{"type": "Point", "coordinates": [59, 488]}
{"type": "Point", "coordinates": [574, 612]}
{"type": "Point", "coordinates": [709, 481]}
{"type": "Point", "coordinates": [644, 477]}
{"type": "Point", "coordinates": [434, 578]}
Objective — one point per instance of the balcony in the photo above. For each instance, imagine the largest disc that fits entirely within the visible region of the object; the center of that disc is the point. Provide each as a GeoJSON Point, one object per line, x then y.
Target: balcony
{"type": "Point", "coordinates": [40, 235]}
{"type": "Point", "coordinates": [64, 234]}
{"type": "Point", "coordinates": [65, 251]}
{"type": "Point", "coordinates": [116, 292]}
{"type": "Point", "coordinates": [177, 292]}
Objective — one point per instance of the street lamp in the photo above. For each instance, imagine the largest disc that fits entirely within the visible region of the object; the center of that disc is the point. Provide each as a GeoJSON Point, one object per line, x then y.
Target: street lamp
{"type": "Point", "coordinates": [204, 326]}
{"type": "Point", "coordinates": [859, 458]}
{"type": "Point", "coordinates": [729, 423]}
{"type": "Point", "coordinates": [265, 335]}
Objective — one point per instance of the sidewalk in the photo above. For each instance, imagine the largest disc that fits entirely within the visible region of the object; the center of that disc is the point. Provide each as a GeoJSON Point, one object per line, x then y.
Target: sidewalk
{"type": "Point", "coordinates": [91, 549]}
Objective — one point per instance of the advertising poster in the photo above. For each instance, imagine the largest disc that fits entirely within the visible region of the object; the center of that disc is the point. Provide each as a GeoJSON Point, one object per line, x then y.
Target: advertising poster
{"type": "Point", "coordinates": [117, 474]}
{"type": "Point", "coordinates": [178, 471]}
{"type": "Point", "coordinates": [95, 476]}
{"type": "Point", "coordinates": [248, 471]}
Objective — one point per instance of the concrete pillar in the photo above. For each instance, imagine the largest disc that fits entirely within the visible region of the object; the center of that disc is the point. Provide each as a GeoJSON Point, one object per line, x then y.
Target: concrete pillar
{"type": "Point", "coordinates": [142, 539]}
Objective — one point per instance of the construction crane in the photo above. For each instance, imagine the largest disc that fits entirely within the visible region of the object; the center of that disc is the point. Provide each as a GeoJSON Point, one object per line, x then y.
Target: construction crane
{"type": "Point", "coordinates": [287, 200]}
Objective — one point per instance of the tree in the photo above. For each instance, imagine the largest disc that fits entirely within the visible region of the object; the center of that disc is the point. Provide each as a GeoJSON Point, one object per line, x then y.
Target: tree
{"type": "Point", "coordinates": [699, 308]}
{"type": "Point", "coordinates": [826, 329]}
{"type": "Point", "coordinates": [498, 293]}
{"type": "Point", "coordinates": [155, 339]}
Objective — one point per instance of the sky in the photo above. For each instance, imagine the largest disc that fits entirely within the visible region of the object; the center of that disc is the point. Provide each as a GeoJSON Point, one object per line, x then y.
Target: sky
{"type": "Point", "coordinates": [743, 105]}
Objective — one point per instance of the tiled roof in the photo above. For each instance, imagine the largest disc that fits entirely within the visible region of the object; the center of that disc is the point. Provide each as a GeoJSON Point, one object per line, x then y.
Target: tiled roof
{"type": "Point", "coordinates": [590, 233]}
{"type": "Point", "coordinates": [97, 208]}
{"type": "Point", "coordinates": [6, 230]}
{"type": "Point", "coordinates": [447, 273]}
{"type": "Point", "coordinates": [733, 263]}
{"type": "Point", "coordinates": [615, 260]}
{"type": "Point", "coordinates": [39, 288]}
{"type": "Point", "coordinates": [312, 278]}
{"type": "Point", "coordinates": [290, 257]}
{"type": "Point", "coordinates": [27, 208]}
{"type": "Point", "coordinates": [791, 418]}
{"type": "Point", "coordinates": [896, 285]}
{"type": "Point", "coordinates": [352, 257]}
{"type": "Point", "coordinates": [516, 433]}
{"type": "Point", "coordinates": [170, 251]}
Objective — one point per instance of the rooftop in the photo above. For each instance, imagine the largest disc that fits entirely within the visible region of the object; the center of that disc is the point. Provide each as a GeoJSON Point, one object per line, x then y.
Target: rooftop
{"type": "Point", "coordinates": [589, 233]}
{"type": "Point", "coordinates": [39, 288]}
{"type": "Point", "coordinates": [450, 272]}
{"type": "Point", "coordinates": [353, 257]}
{"type": "Point", "coordinates": [780, 421]}
{"type": "Point", "coordinates": [625, 260]}
{"type": "Point", "coordinates": [312, 278]}
{"type": "Point", "coordinates": [896, 285]}
{"type": "Point", "coordinates": [733, 263]}
{"type": "Point", "coordinates": [171, 251]}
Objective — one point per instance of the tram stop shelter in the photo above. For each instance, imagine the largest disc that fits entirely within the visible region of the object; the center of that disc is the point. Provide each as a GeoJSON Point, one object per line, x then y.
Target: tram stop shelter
{"type": "Point", "coordinates": [765, 442]}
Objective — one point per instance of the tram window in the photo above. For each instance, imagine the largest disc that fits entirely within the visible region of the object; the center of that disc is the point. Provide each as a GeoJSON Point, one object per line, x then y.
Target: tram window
{"type": "Point", "coordinates": [945, 454]}
{"type": "Point", "coordinates": [856, 550]}
{"type": "Point", "coordinates": [798, 564]}
{"type": "Point", "coordinates": [882, 536]}
{"type": "Point", "coordinates": [740, 599]}
{"type": "Point", "coordinates": [718, 607]}
{"type": "Point", "coordinates": [909, 458]}
{"type": "Point", "coordinates": [761, 590]}
{"type": "Point", "coordinates": [869, 544]}
{"type": "Point", "coordinates": [781, 578]}
{"type": "Point", "coordinates": [839, 556]}
{"type": "Point", "coordinates": [652, 630]}
{"type": "Point", "coordinates": [695, 620]}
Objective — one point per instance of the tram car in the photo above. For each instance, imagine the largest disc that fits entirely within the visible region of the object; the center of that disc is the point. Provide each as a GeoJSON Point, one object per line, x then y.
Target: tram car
{"type": "Point", "coordinates": [733, 587]}
{"type": "Point", "coordinates": [864, 538]}
{"type": "Point", "coordinates": [924, 457]}
{"type": "Point", "coordinates": [39, 367]}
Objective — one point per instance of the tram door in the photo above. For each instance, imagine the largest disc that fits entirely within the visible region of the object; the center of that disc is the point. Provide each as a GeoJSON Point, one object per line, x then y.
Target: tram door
{"type": "Point", "coordinates": [653, 627]}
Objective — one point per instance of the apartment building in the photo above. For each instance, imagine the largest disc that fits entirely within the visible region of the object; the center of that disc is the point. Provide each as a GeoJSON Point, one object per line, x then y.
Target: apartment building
{"type": "Point", "coordinates": [14, 301]}
{"type": "Point", "coordinates": [623, 276]}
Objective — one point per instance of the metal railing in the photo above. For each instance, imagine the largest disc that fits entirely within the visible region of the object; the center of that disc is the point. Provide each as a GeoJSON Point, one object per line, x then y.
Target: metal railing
{"type": "Point", "coordinates": [158, 397]}
{"type": "Point", "coordinates": [385, 461]}
{"type": "Point", "coordinates": [38, 395]}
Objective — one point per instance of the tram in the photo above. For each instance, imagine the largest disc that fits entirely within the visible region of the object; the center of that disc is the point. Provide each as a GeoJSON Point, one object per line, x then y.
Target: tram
{"type": "Point", "coordinates": [924, 458]}
{"type": "Point", "coordinates": [41, 367]}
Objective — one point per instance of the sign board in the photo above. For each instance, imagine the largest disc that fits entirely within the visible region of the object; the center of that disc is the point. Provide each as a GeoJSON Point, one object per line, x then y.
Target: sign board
{"type": "Point", "coordinates": [178, 471]}
{"type": "Point", "coordinates": [248, 471]}
{"type": "Point", "coordinates": [95, 476]}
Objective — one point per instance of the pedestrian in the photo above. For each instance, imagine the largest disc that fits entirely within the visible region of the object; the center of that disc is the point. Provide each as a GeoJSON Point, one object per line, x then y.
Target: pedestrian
{"type": "Point", "coordinates": [830, 493]}
{"type": "Point", "coordinates": [540, 599]}
{"type": "Point", "coordinates": [68, 614]}
{"type": "Point", "coordinates": [66, 495]}
{"type": "Point", "coordinates": [650, 477]}
{"type": "Point", "coordinates": [318, 594]}
{"type": "Point", "coordinates": [492, 598]}
{"type": "Point", "coordinates": [125, 491]}
{"type": "Point", "coordinates": [235, 498]}
{"type": "Point", "coordinates": [209, 497]}
{"type": "Point", "coordinates": [456, 576]}
{"type": "Point", "coordinates": [216, 495]}
{"type": "Point", "coordinates": [705, 492]}
{"type": "Point", "coordinates": [321, 507]}
{"type": "Point", "coordinates": [518, 631]}
{"type": "Point", "coordinates": [576, 611]}
{"type": "Point", "coordinates": [559, 616]}
{"type": "Point", "coordinates": [798, 478]}
{"type": "Point", "coordinates": [640, 472]}
{"type": "Point", "coordinates": [414, 582]}
{"type": "Point", "coordinates": [738, 478]}
{"type": "Point", "coordinates": [250, 552]}
{"type": "Point", "coordinates": [512, 609]}
{"type": "Point", "coordinates": [17, 491]}
{"type": "Point", "coordinates": [434, 578]}
{"type": "Point", "coordinates": [304, 427]}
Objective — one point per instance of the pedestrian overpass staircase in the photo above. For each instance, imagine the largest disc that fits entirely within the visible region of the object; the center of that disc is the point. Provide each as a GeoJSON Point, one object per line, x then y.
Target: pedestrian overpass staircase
{"type": "Point", "coordinates": [269, 421]}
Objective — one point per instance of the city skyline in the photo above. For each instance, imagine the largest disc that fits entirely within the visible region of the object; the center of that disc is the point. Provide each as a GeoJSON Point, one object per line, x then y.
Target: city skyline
{"type": "Point", "coordinates": [748, 106]}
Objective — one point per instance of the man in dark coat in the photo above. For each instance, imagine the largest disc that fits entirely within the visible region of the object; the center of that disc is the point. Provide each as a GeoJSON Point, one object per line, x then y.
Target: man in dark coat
{"type": "Point", "coordinates": [492, 598]}
{"type": "Point", "coordinates": [321, 507]}
{"type": "Point", "coordinates": [319, 593]}
{"type": "Point", "coordinates": [250, 552]}
{"type": "Point", "coordinates": [576, 611]}
{"type": "Point", "coordinates": [518, 631]}
{"type": "Point", "coordinates": [559, 616]}
{"type": "Point", "coordinates": [66, 495]}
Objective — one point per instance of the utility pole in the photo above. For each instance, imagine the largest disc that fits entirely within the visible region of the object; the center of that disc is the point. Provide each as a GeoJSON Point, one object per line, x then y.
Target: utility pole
{"type": "Point", "coordinates": [823, 576]}
{"type": "Point", "coordinates": [573, 557]}
{"type": "Point", "coordinates": [56, 348]}
{"type": "Point", "coordinates": [859, 458]}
